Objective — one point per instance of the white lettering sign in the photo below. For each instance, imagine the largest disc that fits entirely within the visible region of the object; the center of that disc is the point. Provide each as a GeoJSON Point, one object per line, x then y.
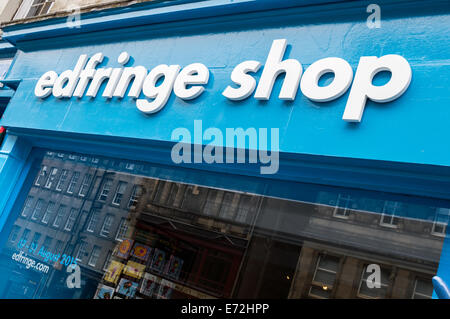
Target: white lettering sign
{"type": "Point", "coordinates": [188, 83]}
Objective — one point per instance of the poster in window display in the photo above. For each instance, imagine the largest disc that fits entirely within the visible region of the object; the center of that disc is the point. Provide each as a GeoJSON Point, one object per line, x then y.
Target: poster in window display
{"type": "Point", "coordinates": [165, 289]}
{"type": "Point", "coordinates": [141, 251]}
{"type": "Point", "coordinates": [149, 285]}
{"type": "Point", "coordinates": [158, 261]}
{"type": "Point", "coordinates": [123, 251]}
{"type": "Point", "coordinates": [113, 271]}
{"type": "Point", "coordinates": [174, 267]}
{"type": "Point", "coordinates": [134, 269]}
{"type": "Point", "coordinates": [127, 288]}
{"type": "Point", "coordinates": [104, 292]}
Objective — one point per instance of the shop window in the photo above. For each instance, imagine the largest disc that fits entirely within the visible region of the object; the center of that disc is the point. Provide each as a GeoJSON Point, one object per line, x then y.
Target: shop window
{"type": "Point", "coordinates": [27, 207]}
{"type": "Point", "coordinates": [38, 209]}
{"type": "Point", "coordinates": [120, 190]}
{"type": "Point", "coordinates": [388, 218]}
{"type": "Point", "coordinates": [42, 176]}
{"type": "Point", "coordinates": [107, 224]}
{"type": "Point", "coordinates": [229, 205]}
{"type": "Point", "coordinates": [122, 230]}
{"type": "Point", "coordinates": [59, 216]}
{"type": "Point", "coordinates": [62, 180]}
{"type": "Point", "coordinates": [105, 190]}
{"type": "Point", "coordinates": [423, 288]}
{"type": "Point", "coordinates": [71, 219]}
{"type": "Point", "coordinates": [51, 177]}
{"type": "Point", "coordinates": [365, 289]}
{"type": "Point", "coordinates": [343, 206]}
{"type": "Point", "coordinates": [95, 254]}
{"type": "Point", "coordinates": [48, 212]}
{"type": "Point", "coordinates": [93, 221]}
{"type": "Point", "coordinates": [33, 8]}
{"type": "Point", "coordinates": [73, 182]}
{"type": "Point", "coordinates": [440, 222]}
{"type": "Point", "coordinates": [324, 277]}
{"type": "Point", "coordinates": [136, 194]}
{"type": "Point", "coordinates": [85, 185]}
{"type": "Point", "coordinates": [14, 233]}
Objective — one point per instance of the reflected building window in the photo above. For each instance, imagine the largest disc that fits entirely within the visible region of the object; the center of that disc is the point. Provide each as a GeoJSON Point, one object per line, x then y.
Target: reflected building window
{"type": "Point", "coordinates": [59, 216]}
{"type": "Point", "coordinates": [105, 190]}
{"type": "Point", "coordinates": [25, 234]}
{"type": "Point", "coordinates": [423, 288]}
{"type": "Point", "coordinates": [62, 180]}
{"type": "Point", "coordinates": [343, 206]}
{"type": "Point", "coordinates": [95, 254]}
{"type": "Point", "coordinates": [47, 243]}
{"type": "Point", "coordinates": [120, 190]}
{"type": "Point", "coordinates": [107, 260]}
{"type": "Point", "coordinates": [14, 233]}
{"type": "Point", "coordinates": [81, 252]}
{"type": "Point", "coordinates": [213, 202]}
{"type": "Point", "coordinates": [48, 212]}
{"type": "Point", "coordinates": [38, 209]}
{"type": "Point", "coordinates": [440, 222]}
{"type": "Point", "coordinates": [51, 177]}
{"type": "Point", "coordinates": [136, 194]}
{"type": "Point", "coordinates": [35, 241]}
{"type": "Point", "coordinates": [71, 219]}
{"type": "Point", "coordinates": [324, 277]}
{"type": "Point", "coordinates": [388, 218]}
{"type": "Point", "coordinates": [42, 175]}
{"type": "Point", "coordinates": [107, 224]}
{"type": "Point", "coordinates": [27, 206]}
{"type": "Point", "coordinates": [84, 188]}
{"type": "Point", "coordinates": [122, 230]}
{"type": "Point", "coordinates": [73, 182]}
{"type": "Point", "coordinates": [93, 221]}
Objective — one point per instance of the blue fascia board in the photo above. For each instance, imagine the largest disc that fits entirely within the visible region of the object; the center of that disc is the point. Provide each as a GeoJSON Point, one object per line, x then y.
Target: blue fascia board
{"type": "Point", "coordinates": [7, 49]}
{"type": "Point", "coordinates": [148, 13]}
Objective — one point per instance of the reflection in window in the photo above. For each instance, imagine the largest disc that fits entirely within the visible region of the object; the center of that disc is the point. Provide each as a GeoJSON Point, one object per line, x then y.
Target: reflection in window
{"type": "Point", "coordinates": [62, 180]}
{"type": "Point", "coordinates": [105, 190]}
{"type": "Point", "coordinates": [35, 240]}
{"type": "Point", "coordinates": [136, 193]}
{"type": "Point", "coordinates": [59, 216]}
{"type": "Point", "coordinates": [441, 221]}
{"type": "Point", "coordinates": [388, 217]}
{"type": "Point", "coordinates": [73, 182]}
{"type": "Point", "coordinates": [81, 252]}
{"type": "Point", "coordinates": [71, 219]}
{"type": "Point", "coordinates": [27, 207]}
{"type": "Point", "coordinates": [14, 233]}
{"type": "Point", "coordinates": [423, 288]}
{"type": "Point", "coordinates": [95, 254]}
{"type": "Point", "coordinates": [38, 209]}
{"type": "Point", "coordinates": [41, 177]}
{"type": "Point", "coordinates": [343, 206]}
{"type": "Point", "coordinates": [25, 234]}
{"type": "Point", "coordinates": [47, 243]}
{"type": "Point", "coordinates": [123, 228]}
{"type": "Point", "coordinates": [107, 223]}
{"type": "Point", "coordinates": [85, 185]}
{"type": "Point", "coordinates": [324, 276]}
{"type": "Point", "coordinates": [120, 190]}
{"type": "Point", "coordinates": [48, 212]}
{"type": "Point", "coordinates": [93, 221]}
{"type": "Point", "coordinates": [51, 177]}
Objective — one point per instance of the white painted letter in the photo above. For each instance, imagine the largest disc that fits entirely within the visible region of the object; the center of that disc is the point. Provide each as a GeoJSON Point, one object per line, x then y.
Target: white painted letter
{"type": "Point", "coordinates": [195, 73]}
{"type": "Point", "coordinates": [247, 82]}
{"type": "Point", "coordinates": [44, 86]}
{"type": "Point", "coordinates": [363, 88]}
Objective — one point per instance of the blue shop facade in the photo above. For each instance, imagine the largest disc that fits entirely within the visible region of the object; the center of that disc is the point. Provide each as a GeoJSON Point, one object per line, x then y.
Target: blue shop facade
{"type": "Point", "coordinates": [120, 178]}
